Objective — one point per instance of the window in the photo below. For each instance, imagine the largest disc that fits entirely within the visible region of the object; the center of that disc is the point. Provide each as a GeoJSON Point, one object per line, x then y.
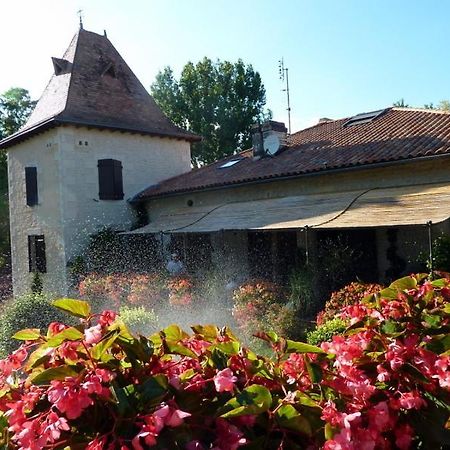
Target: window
{"type": "Point", "coordinates": [230, 163]}
{"type": "Point", "coordinates": [110, 179]}
{"type": "Point", "coordinates": [36, 254]}
{"type": "Point", "coordinates": [31, 185]}
{"type": "Point", "coordinates": [359, 119]}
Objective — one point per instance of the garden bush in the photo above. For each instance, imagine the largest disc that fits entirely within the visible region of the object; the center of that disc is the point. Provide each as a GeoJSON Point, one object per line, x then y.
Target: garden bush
{"type": "Point", "coordinates": [383, 384]}
{"type": "Point", "coordinates": [348, 295]}
{"type": "Point", "coordinates": [263, 306]}
{"type": "Point", "coordinates": [138, 319]}
{"type": "Point", "coordinates": [326, 331]}
{"type": "Point", "coordinates": [32, 310]}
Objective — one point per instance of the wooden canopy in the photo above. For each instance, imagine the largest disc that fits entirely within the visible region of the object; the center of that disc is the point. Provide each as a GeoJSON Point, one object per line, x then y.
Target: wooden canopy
{"type": "Point", "coordinates": [377, 207]}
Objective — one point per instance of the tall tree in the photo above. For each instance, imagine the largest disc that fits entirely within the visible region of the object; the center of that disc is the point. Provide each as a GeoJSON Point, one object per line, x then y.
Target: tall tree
{"type": "Point", "coordinates": [15, 107]}
{"type": "Point", "coordinates": [217, 100]}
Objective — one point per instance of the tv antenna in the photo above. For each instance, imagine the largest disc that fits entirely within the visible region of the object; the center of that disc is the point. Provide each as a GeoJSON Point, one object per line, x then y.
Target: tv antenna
{"type": "Point", "coordinates": [284, 76]}
{"type": "Point", "coordinates": [80, 15]}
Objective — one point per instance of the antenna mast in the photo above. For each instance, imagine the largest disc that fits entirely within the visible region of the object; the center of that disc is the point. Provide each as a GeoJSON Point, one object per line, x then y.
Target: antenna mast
{"type": "Point", "coordinates": [80, 15]}
{"type": "Point", "coordinates": [284, 76]}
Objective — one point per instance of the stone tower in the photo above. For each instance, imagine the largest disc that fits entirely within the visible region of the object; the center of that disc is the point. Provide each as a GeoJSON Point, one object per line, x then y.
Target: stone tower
{"type": "Point", "coordinates": [95, 139]}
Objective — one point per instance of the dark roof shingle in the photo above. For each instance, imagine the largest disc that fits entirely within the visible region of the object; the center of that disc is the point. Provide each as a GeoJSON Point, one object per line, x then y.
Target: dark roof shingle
{"type": "Point", "coordinates": [97, 88]}
{"type": "Point", "coordinates": [399, 133]}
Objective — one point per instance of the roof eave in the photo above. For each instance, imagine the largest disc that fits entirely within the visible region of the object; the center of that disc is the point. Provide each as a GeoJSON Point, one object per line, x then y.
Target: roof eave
{"type": "Point", "coordinates": [136, 199]}
{"type": "Point", "coordinates": [22, 135]}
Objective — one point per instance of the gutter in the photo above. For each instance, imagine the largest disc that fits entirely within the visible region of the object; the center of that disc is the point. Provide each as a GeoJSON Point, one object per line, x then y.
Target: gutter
{"type": "Point", "coordinates": [135, 201]}
{"type": "Point", "coordinates": [20, 136]}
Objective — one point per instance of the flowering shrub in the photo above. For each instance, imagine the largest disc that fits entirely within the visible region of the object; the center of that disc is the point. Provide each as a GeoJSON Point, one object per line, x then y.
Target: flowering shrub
{"type": "Point", "coordinates": [180, 291]}
{"type": "Point", "coordinates": [383, 384]}
{"type": "Point", "coordinates": [122, 289]}
{"type": "Point", "coordinates": [261, 306]}
{"type": "Point", "coordinates": [139, 319]}
{"type": "Point", "coordinates": [348, 295]}
{"type": "Point", "coordinates": [326, 330]}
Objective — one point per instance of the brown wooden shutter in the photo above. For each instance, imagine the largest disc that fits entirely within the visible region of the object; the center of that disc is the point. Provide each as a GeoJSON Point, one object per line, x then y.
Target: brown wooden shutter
{"type": "Point", "coordinates": [31, 185]}
{"type": "Point", "coordinates": [118, 182]}
{"type": "Point", "coordinates": [110, 179]}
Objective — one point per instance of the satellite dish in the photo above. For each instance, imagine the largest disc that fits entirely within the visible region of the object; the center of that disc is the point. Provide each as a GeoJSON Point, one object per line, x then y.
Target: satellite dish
{"type": "Point", "coordinates": [272, 144]}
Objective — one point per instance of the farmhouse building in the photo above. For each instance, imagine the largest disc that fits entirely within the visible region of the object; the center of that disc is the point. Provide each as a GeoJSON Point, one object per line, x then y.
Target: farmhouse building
{"type": "Point", "coordinates": [98, 152]}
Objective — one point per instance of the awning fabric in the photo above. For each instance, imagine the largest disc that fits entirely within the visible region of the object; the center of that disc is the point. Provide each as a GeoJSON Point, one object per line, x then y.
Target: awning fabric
{"type": "Point", "coordinates": [405, 205]}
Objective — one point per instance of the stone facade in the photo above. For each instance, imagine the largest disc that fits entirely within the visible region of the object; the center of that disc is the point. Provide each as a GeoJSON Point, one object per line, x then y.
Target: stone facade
{"type": "Point", "coordinates": [69, 209]}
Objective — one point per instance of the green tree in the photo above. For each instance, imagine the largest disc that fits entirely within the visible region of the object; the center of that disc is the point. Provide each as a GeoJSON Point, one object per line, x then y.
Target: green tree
{"type": "Point", "coordinates": [217, 100]}
{"type": "Point", "coordinates": [400, 103]}
{"type": "Point", "coordinates": [15, 107]}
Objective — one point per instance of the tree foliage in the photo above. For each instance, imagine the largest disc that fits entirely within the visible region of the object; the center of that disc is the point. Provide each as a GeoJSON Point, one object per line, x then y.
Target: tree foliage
{"type": "Point", "coordinates": [15, 107]}
{"type": "Point", "coordinates": [217, 100]}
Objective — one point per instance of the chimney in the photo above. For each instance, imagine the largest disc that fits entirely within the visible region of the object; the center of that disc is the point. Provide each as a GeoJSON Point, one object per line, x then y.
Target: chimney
{"type": "Point", "coordinates": [268, 138]}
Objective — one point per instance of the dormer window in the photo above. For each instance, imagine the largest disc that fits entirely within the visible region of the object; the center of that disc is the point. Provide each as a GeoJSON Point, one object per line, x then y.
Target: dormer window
{"type": "Point", "coordinates": [109, 70]}
{"type": "Point", "coordinates": [110, 179]}
{"type": "Point", "coordinates": [61, 66]}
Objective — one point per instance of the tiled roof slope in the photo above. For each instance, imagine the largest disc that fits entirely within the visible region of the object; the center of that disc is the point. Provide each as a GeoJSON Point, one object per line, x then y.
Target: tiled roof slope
{"type": "Point", "coordinates": [398, 134]}
{"type": "Point", "coordinates": [97, 88]}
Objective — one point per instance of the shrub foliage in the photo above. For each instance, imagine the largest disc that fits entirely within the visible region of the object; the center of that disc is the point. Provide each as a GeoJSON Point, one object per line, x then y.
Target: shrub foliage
{"type": "Point", "coordinates": [383, 384]}
{"type": "Point", "coordinates": [27, 311]}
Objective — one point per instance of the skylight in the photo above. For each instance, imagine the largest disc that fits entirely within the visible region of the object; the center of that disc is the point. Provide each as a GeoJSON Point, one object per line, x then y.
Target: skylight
{"type": "Point", "coordinates": [363, 118]}
{"type": "Point", "coordinates": [229, 163]}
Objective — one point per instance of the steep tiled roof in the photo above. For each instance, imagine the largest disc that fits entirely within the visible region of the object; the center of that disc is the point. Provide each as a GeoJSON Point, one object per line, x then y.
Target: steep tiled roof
{"type": "Point", "coordinates": [94, 86]}
{"type": "Point", "coordinates": [397, 134]}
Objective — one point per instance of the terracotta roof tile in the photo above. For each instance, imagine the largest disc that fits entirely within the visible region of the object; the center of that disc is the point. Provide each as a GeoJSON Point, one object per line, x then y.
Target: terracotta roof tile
{"type": "Point", "coordinates": [399, 133]}
{"type": "Point", "coordinates": [97, 89]}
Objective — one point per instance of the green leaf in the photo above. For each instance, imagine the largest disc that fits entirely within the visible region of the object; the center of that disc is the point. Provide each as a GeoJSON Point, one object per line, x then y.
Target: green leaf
{"type": "Point", "coordinates": [219, 358]}
{"type": "Point", "coordinates": [254, 399]}
{"type": "Point", "coordinates": [208, 332]}
{"type": "Point", "coordinates": [177, 349]}
{"type": "Point", "coordinates": [314, 371]}
{"type": "Point", "coordinates": [447, 308]}
{"type": "Point", "coordinates": [77, 308]}
{"type": "Point", "coordinates": [329, 431]}
{"type": "Point", "coordinates": [404, 283]}
{"type": "Point", "coordinates": [288, 417]}
{"type": "Point", "coordinates": [100, 348]}
{"type": "Point", "coordinates": [54, 373]}
{"type": "Point", "coordinates": [174, 333]}
{"type": "Point", "coordinates": [69, 334]}
{"type": "Point", "coordinates": [390, 327]}
{"type": "Point", "coordinates": [432, 320]}
{"type": "Point", "coordinates": [153, 389]}
{"type": "Point", "coordinates": [229, 348]}
{"type": "Point", "coordinates": [29, 334]}
{"type": "Point", "coordinates": [305, 400]}
{"type": "Point", "coordinates": [442, 282]}
{"type": "Point", "coordinates": [301, 347]}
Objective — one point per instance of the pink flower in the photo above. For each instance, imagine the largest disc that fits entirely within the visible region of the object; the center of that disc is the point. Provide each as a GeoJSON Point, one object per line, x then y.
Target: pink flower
{"type": "Point", "coordinates": [55, 425]}
{"type": "Point", "coordinates": [107, 317]}
{"type": "Point", "coordinates": [171, 417]}
{"type": "Point", "coordinates": [229, 436]}
{"type": "Point", "coordinates": [224, 380]}
{"type": "Point", "coordinates": [93, 335]}
{"type": "Point", "coordinates": [194, 445]}
{"type": "Point", "coordinates": [69, 397]}
{"type": "Point", "coordinates": [403, 436]}
{"type": "Point", "coordinates": [411, 400]}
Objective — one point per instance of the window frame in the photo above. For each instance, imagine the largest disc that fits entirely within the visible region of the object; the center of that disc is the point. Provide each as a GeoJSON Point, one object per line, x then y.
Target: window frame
{"type": "Point", "coordinates": [110, 179]}
{"type": "Point", "coordinates": [37, 256]}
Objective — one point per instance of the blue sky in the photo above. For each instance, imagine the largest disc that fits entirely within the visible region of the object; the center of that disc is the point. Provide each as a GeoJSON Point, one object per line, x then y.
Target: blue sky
{"type": "Point", "coordinates": [344, 56]}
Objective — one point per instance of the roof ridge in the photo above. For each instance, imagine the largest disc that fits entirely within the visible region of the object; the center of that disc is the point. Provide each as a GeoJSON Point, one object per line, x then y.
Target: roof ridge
{"type": "Point", "coordinates": [427, 110]}
{"type": "Point", "coordinates": [77, 38]}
